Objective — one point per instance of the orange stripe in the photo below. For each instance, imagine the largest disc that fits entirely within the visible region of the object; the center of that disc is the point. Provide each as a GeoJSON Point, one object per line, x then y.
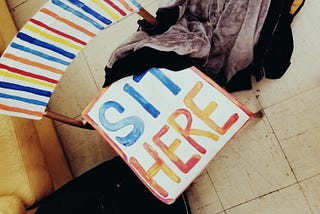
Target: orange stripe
{"type": "Point", "coordinates": [126, 5]}
{"type": "Point", "coordinates": [68, 22]}
{"type": "Point", "coordinates": [20, 110]}
{"type": "Point", "coordinates": [32, 63]}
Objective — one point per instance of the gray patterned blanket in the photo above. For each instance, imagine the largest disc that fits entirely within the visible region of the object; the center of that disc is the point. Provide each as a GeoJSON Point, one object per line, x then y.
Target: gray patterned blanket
{"type": "Point", "coordinates": [221, 33]}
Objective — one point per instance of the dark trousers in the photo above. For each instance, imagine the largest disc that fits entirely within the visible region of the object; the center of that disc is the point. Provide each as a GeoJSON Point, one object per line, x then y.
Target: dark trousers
{"type": "Point", "coordinates": [111, 188]}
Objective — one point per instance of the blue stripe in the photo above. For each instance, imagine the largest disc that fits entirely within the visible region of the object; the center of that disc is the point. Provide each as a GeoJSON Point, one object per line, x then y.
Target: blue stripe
{"type": "Point", "coordinates": [87, 9]}
{"type": "Point", "coordinates": [38, 53]}
{"type": "Point", "coordinates": [46, 45]}
{"type": "Point", "coordinates": [165, 80]}
{"type": "Point", "coordinates": [138, 77]}
{"type": "Point", "coordinates": [141, 100]}
{"type": "Point", "coordinates": [25, 89]}
{"type": "Point", "coordinates": [25, 100]}
{"type": "Point", "coordinates": [174, 88]}
{"type": "Point", "coordinates": [136, 4]}
{"type": "Point", "coordinates": [77, 13]}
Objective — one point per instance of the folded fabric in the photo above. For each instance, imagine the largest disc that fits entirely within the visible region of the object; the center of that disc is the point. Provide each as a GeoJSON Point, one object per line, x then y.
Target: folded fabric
{"type": "Point", "coordinates": [228, 40]}
{"type": "Point", "coordinates": [220, 34]}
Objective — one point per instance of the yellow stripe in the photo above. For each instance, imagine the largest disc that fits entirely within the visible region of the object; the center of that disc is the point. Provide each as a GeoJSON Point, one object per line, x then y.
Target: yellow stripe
{"type": "Point", "coordinates": [26, 79]}
{"type": "Point", "coordinates": [55, 39]}
{"type": "Point", "coordinates": [106, 9]}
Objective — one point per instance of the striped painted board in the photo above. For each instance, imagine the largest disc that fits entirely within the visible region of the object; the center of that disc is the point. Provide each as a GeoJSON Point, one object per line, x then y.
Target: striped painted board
{"type": "Point", "coordinates": [35, 60]}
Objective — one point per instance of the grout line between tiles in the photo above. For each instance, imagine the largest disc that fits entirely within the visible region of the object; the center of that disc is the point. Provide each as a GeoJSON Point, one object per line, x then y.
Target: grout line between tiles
{"type": "Point", "coordinates": [287, 98]}
{"type": "Point", "coordinates": [90, 71]}
{"type": "Point", "coordinates": [296, 179]}
{"type": "Point", "coordinates": [303, 193]}
{"type": "Point", "coordinates": [298, 134]}
{"type": "Point", "coordinates": [305, 197]}
{"type": "Point", "coordinates": [291, 168]}
{"type": "Point", "coordinates": [261, 196]}
{"type": "Point", "coordinates": [277, 138]}
{"type": "Point", "coordinates": [313, 176]}
{"type": "Point", "coordinates": [214, 187]}
{"type": "Point", "coordinates": [281, 147]}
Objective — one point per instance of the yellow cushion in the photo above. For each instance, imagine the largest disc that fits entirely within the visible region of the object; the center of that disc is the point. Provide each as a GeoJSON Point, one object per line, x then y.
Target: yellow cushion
{"type": "Point", "coordinates": [53, 153]}
{"type": "Point", "coordinates": [11, 205]}
{"type": "Point", "coordinates": [8, 28]}
{"type": "Point", "coordinates": [22, 165]}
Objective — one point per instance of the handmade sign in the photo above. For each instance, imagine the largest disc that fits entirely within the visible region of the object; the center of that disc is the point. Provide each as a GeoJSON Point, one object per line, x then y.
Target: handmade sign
{"type": "Point", "coordinates": [43, 49]}
{"type": "Point", "coordinates": [166, 125]}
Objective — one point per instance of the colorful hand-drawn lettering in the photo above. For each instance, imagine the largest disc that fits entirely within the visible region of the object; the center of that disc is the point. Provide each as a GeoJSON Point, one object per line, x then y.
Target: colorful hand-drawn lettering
{"type": "Point", "coordinates": [204, 114]}
{"type": "Point", "coordinates": [178, 138]}
{"type": "Point", "coordinates": [136, 122]}
{"type": "Point", "coordinates": [154, 169]}
{"type": "Point", "coordinates": [153, 111]}
{"type": "Point", "coordinates": [186, 132]}
{"type": "Point", "coordinates": [169, 151]}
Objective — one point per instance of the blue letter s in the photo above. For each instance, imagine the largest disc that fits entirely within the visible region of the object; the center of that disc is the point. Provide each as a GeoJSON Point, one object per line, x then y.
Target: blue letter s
{"type": "Point", "coordinates": [138, 125]}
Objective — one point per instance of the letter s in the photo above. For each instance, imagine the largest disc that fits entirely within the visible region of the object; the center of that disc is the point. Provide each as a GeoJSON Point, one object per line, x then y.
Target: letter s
{"type": "Point", "coordinates": [136, 122]}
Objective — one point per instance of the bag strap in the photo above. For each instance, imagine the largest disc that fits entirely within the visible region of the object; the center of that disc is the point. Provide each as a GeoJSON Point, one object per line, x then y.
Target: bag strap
{"type": "Point", "coordinates": [296, 6]}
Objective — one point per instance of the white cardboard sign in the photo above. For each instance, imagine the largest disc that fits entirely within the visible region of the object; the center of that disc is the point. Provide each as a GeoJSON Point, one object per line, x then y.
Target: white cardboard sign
{"type": "Point", "coordinates": [166, 125]}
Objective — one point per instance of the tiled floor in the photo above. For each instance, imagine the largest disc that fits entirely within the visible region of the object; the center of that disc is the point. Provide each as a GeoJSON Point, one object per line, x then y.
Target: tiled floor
{"type": "Point", "coordinates": [271, 166]}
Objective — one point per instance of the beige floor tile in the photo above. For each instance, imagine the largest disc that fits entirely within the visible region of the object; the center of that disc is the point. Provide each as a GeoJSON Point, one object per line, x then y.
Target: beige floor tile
{"type": "Point", "coordinates": [251, 165]}
{"type": "Point", "coordinates": [84, 148]}
{"type": "Point", "coordinates": [296, 115]}
{"type": "Point", "coordinates": [286, 201]}
{"type": "Point", "coordinates": [75, 90]}
{"type": "Point", "coordinates": [304, 71]}
{"type": "Point", "coordinates": [209, 209]}
{"type": "Point", "coordinates": [311, 189]}
{"type": "Point", "coordinates": [202, 196]}
{"type": "Point", "coordinates": [303, 153]}
{"type": "Point", "coordinates": [248, 99]}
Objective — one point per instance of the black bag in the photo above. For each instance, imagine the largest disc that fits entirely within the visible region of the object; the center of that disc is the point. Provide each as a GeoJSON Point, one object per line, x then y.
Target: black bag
{"type": "Point", "coordinates": [272, 54]}
{"type": "Point", "coordinates": [111, 188]}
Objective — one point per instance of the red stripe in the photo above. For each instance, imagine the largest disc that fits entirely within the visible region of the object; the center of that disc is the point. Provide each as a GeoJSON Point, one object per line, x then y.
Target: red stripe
{"type": "Point", "coordinates": [25, 73]}
{"type": "Point", "coordinates": [57, 31]}
{"type": "Point", "coordinates": [116, 7]}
